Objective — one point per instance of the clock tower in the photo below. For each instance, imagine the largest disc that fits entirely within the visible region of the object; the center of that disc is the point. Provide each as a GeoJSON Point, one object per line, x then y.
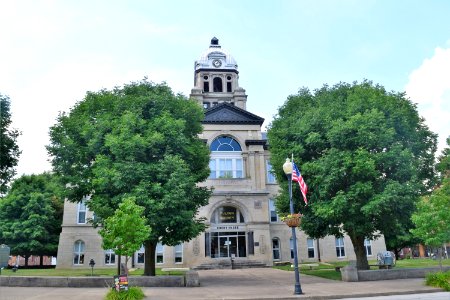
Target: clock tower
{"type": "Point", "coordinates": [216, 79]}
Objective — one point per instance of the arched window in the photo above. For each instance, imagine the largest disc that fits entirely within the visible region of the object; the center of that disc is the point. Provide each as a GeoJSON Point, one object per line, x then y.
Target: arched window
{"type": "Point", "coordinates": [226, 158]}
{"type": "Point", "coordinates": [227, 214]}
{"type": "Point", "coordinates": [78, 253]}
{"type": "Point", "coordinates": [217, 84]}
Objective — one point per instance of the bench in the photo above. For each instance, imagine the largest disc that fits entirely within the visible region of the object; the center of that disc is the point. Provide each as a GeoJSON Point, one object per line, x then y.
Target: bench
{"type": "Point", "coordinates": [382, 266]}
{"type": "Point", "coordinates": [168, 270]}
{"type": "Point", "coordinates": [310, 265]}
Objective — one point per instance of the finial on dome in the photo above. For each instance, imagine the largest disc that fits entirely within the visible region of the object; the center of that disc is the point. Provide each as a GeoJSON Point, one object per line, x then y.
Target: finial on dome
{"type": "Point", "coordinates": [215, 42]}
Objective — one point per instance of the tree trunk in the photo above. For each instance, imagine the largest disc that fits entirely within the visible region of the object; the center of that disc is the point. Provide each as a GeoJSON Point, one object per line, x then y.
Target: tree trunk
{"type": "Point", "coordinates": [41, 260]}
{"type": "Point", "coordinates": [440, 258]}
{"type": "Point", "coordinates": [119, 261]}
{"type": "Point", "coordinates": [397, 253]}
{"type": "Point", "coordinates": [360, 252]}
{"type": "Point", "coordinates": [26, 260]}
{"type": "Point", "coordinates": [150, 251]}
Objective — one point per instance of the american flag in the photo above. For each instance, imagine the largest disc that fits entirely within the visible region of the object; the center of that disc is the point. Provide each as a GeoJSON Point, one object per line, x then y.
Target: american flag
{"type": "Point", "coordinates": [297, 177]}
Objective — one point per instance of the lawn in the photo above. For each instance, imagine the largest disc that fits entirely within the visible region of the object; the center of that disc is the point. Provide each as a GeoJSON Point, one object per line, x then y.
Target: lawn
{"type": "Point", "coordinates": [79, 272]}
{"type": "Point", "coordinates": [327, 270]}
{"type": "Point", "coordinates": [324, 270]}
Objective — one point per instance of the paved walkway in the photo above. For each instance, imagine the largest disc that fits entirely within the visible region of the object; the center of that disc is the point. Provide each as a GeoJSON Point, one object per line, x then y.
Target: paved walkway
{"type": "Point", "coordinates": [265, 283]}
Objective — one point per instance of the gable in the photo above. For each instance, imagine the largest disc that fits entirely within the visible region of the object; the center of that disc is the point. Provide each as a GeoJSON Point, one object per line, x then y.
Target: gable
{"type": "Point", "coordinates": [225, 113]}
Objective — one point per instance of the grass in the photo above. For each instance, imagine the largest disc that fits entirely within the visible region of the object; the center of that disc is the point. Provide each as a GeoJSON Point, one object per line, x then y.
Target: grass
{"type": "Point", "coordinates": [79, 272]}
{"type": "Point", "coordinates": [439, 279]}
{"type": "Point", "coordinates": [133, 293]}
{"type": "Point", "coordinates": [327, 270]}
{"type": "Point", "coordinates": [420, 263]}
{"type": "Point", "coordinates": [324, 270]}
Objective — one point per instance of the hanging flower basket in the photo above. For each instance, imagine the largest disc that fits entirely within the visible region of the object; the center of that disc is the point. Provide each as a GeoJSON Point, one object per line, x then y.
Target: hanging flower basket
{"type": "Point", "coordinates": [292, 220]}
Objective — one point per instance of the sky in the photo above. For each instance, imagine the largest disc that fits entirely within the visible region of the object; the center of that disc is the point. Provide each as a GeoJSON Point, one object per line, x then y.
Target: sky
{"type": "Point", "coordinates": [53, 52]}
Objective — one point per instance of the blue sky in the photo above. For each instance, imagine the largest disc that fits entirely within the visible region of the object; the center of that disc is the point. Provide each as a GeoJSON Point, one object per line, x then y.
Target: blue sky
{"type": "Point", "coordinates": [52, 52]}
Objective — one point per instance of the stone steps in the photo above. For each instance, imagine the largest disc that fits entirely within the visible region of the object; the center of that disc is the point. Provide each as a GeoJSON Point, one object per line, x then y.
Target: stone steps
{"type": "Point", "coordinates": [226, 264]}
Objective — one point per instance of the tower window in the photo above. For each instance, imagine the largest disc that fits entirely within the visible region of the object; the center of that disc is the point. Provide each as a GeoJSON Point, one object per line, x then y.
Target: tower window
{"type": "Point", "coordinates": [205, 77]}
{"type": "Point", "coordinates": [206, 86]}
{"type": "Point", "coordinates": [228, 87]}
{"type": "Point", "coordinates": [229, 77]}
{"type": "Point", "coordinates": [217, 84]}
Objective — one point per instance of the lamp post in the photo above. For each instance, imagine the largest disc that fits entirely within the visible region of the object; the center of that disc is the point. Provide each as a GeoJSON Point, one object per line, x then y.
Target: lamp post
{"type": "Point", "coordinates": [287, 168]}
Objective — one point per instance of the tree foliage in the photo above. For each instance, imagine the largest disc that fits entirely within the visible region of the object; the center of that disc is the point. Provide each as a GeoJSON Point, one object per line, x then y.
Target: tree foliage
{"type": "Point", "coordinates": [9, 150]}
{"type": "Point", "coordinates": [126, 230]}
{"type": "Point", "coordinates": [31, 215]}
{"type": "Point", "coordinates": [432, 218]}
{"type": "Point", "coordinates": [138, 141]}
{"type": "Point", "coordinates": [365, 154]}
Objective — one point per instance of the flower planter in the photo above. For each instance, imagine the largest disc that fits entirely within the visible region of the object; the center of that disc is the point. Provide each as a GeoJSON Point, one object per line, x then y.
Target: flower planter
{"type": "Point", "coordinates": [292, 220]}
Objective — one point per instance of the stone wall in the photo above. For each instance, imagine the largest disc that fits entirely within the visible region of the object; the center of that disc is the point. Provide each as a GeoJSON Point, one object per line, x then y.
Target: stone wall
{"type": "Point", "coordinates": [350, 273]}
{"type": "Point", "coordinates": [190, 279]}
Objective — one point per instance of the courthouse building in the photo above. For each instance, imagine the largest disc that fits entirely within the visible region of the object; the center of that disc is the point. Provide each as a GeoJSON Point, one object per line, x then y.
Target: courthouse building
{"type": "Point", "coordinates": [241, 216]}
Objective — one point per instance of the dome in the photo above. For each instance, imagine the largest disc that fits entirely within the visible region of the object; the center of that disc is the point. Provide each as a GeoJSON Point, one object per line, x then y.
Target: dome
{"type": "Point", "coordinates": [216, 58]}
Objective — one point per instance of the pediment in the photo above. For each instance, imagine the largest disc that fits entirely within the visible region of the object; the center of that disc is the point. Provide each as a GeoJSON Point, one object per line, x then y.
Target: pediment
{"type": "Point", "coordinates": [225, 113]}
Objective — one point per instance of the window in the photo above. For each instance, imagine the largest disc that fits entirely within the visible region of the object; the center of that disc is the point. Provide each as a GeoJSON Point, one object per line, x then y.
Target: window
{"type": "Point", "coordinates": [229, 87]}
{"type": "Point", "coordinates": [227, 214]}
{"type": "Point", "coordinates": [81, 214]}
{"type": "Point", "coordinates": [217, 84]}
{"type": "Point", "coordinates": [270, 176]}
{"type": "Point", "coordinates": [206, 86]}
{"type": "Point", "coordinates": [140, 258]}
{"type": "Point", "coordinates": [206, 105]}
{"type": "Point", "coordinates": [272, 210]}
{"type": "Point", "coordinates": [291, 243]}
{"type": "Point", "coordinates": [226, 158]}
{"type": "Point", "coordinates": [310, 245]}
{"type": "Point", "coordinates": [276, 249]}
{"type": "Point", "coordinates": [78, 253]}
{"type": "Point", "coordinates": [159, 253]}
{"type": "Point", "coordinates": [368, 246]}
{"type": "Point", "coordinates": [179, 253]}
{"type": "Point", "coordinates": [110, 257]}
{"type": "Point", "coordinates": [340, 249]}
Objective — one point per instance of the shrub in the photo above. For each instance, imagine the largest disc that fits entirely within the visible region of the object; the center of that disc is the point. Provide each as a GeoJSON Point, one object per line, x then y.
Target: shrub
{"type": "Point", "coordinates": [133, 293]}
{"type": "Point", "coordinates": [439, 279]}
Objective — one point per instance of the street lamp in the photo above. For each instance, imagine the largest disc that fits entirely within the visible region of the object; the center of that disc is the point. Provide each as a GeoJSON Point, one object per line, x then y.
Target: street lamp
{"type": "Point", "coordinates": [287, 168]}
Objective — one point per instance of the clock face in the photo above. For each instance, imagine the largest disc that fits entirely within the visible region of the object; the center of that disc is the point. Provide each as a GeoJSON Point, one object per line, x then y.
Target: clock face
{"type": "Point", "coordinates": [217, 63]}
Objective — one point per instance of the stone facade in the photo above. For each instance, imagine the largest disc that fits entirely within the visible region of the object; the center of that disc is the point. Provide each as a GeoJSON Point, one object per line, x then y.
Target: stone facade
{"type": "Point", "coordinates": [242, 223]}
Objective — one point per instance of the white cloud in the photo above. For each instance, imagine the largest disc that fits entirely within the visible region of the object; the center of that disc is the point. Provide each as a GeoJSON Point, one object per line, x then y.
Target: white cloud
{"type": "Point", "coordinates": [429, 87]}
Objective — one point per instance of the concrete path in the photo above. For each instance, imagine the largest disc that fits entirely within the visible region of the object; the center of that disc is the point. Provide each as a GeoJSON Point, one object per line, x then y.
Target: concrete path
{"type": "Point", "coordinates": [265, 283]}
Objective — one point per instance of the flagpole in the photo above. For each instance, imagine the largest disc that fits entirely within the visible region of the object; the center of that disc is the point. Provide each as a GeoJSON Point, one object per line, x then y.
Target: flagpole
{"type": "Point", "coordinates": [287, 168]}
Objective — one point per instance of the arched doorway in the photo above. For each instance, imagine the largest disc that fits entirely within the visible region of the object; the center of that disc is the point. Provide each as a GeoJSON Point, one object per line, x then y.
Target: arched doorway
{"type": "Point", "coordinates": [227, 237]}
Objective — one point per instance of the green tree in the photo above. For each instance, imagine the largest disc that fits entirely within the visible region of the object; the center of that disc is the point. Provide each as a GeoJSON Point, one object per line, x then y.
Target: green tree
{"type": "Point", "coordinates": [126, 230]}
{"type": "Point", "coordinates": [138, 141]}
{"type": "Point", "coordinates": [401, 237]}
{"type": "Point", "coordinates": [365, 154]}
{"type": "Point", "coordinates": [432, 219]}
{"type": "Point", "coordinates": [9, 150]}
{"type": "Point", "coordinates": [31, 215]}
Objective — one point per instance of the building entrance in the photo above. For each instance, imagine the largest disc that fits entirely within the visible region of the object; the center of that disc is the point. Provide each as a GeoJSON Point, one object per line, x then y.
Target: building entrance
{"type": "Point", "coordinates": [227, 244]}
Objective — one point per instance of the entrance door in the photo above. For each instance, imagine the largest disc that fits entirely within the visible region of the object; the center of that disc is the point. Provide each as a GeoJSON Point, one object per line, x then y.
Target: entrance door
{"type": "Point", "coordinates": [228, 246]}
{"type": "Point", "coordinates": [225, 244]}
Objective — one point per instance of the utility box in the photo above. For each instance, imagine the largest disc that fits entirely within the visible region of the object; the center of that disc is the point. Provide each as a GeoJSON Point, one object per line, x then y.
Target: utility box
{"type": "Point", "coordinates": [385, 258]}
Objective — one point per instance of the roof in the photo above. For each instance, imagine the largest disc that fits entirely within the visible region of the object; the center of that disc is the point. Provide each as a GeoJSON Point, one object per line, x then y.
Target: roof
{"type": "Point", "coordinates": [216, 58]}
{"type": "Point", "coordinates": [225, 113]}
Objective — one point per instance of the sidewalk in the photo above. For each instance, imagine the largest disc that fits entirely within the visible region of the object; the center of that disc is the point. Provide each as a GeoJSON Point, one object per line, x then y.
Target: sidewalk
{"type": "Point", "coordinates": [264, 283]}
